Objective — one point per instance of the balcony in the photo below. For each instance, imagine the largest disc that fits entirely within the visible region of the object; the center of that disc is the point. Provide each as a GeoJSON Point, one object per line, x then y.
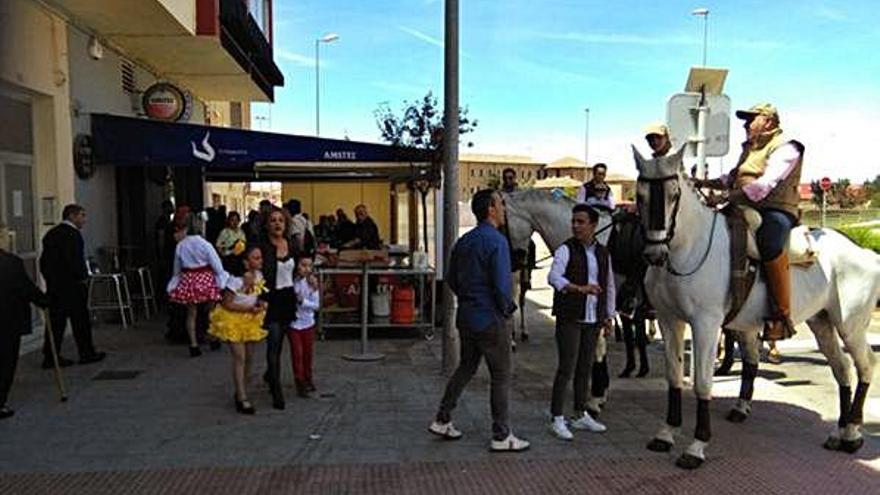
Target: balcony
{"type": "Point", "coordinates": [212, 47]}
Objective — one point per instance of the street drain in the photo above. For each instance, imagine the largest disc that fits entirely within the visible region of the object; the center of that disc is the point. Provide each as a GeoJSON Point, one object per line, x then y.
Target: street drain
{"type": "Point", "coordinates": [117, 375]}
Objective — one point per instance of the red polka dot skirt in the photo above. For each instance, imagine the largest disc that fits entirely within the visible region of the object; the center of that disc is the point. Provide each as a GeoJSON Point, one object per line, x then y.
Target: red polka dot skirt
{"type": "Point", "coordinates": [196, 287]}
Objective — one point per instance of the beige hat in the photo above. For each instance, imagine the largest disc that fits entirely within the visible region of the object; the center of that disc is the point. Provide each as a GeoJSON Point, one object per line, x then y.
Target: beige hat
{"type": "Point", "coordinates": [658, 128]}
{"type": "Point", "coordinates": [759, 109]}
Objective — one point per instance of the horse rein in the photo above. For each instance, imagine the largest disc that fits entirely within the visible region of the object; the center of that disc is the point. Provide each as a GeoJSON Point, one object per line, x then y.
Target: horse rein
{"type": "Point", "coordinates": [671, 231]}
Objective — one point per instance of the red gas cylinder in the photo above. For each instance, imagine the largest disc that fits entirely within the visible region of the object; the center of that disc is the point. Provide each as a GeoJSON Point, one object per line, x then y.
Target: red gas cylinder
{"type": "Point", "coordinates": [403, 305]}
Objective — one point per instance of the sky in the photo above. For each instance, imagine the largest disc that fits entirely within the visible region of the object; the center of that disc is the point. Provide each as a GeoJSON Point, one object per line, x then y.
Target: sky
{"type": "Point", "coordinates": [530, 68]}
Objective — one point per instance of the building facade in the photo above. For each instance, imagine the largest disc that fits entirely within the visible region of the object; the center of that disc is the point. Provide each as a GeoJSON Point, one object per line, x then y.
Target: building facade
{"type": "Point", "coordinates": [479, 171]}
{"type": "Point", "coordinates": [64, 63]}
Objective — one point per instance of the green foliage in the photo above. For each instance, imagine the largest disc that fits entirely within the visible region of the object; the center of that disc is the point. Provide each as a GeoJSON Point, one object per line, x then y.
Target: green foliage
{"type": "Point", "coordinates": [419, 125]}
{"type": "Point", "coordinates": [864, 237]}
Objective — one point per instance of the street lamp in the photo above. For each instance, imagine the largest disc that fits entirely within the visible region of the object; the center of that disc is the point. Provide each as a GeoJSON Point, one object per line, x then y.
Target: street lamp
{"type": "Point", "coordinates": [327, 38]}
{"type": "Point", "coordinates": [705, 13]}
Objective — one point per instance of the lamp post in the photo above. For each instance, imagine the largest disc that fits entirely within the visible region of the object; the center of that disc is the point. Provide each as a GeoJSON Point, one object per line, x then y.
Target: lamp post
{"type": "Point", "coordinates": [705, 13]}
{"type": "Point", "coordinates": [327, 38]}
{"type": "Point", "coordinates": [587, 137]}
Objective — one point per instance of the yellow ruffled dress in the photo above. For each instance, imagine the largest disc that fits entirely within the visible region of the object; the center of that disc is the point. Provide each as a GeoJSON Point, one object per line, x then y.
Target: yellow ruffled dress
{"type": "Point", "coordinates": [236, 326]}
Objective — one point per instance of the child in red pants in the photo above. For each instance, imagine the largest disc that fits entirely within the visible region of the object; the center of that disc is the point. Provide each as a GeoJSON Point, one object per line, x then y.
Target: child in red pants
{"type": "Point", "coordinates": [302, 329]}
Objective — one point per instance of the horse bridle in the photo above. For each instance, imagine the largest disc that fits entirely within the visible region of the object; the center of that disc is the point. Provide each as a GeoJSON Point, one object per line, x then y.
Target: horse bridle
{"type": "Point", "coordinates": [657, 216]}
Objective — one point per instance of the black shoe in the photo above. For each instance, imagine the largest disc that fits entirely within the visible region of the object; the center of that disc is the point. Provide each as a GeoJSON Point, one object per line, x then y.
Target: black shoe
{"type": "Point", "coordinates": [5, 412]}
{"type": "Point", "coordinates": [244, 407]}
{"type": "Point", "coordinates": [48, 364]}
{"type": "Point", "coordinates": [627, 371]}
{"type": "Point", "coordinates": [92, 358]}
{"type": "Point", "coordinates": [214, 345]}
{"type": "Point", "coordinates": [523, 337]}
{"type": "Point", "coordinates": [302, 390]}
{"type": "Point", "coordinates": [724, 369]}
{"type": "Point", "coordinates": [195, 351]}
{"type": "Point", "coordinates": [643, 372]}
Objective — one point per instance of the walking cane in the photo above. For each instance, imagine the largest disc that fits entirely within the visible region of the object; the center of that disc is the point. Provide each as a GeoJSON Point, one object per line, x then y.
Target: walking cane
{"type": "Point", "coordinates": [59, 381]}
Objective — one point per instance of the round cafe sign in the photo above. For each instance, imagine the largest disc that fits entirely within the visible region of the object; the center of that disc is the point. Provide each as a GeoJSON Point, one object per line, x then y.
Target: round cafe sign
{"type": "Point", "coordinates": [165, 101]}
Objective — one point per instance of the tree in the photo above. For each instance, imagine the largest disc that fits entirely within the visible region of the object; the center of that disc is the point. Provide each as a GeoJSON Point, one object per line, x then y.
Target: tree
{"type": "Point", "coordinates": [420, 125]}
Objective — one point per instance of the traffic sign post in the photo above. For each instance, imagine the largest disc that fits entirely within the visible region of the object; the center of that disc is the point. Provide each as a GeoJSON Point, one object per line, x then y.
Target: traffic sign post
{"type": "Point", "coordinates": [701, 116]}
{"type": "Point", "coordinates": [825, 185]}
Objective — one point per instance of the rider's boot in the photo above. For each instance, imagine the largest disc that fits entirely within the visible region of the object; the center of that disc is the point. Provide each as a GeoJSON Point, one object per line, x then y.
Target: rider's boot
{"type": "Point", "coordinates": [779, 325]}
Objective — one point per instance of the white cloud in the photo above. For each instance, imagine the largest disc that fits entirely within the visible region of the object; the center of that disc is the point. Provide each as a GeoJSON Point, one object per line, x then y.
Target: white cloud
{"type": "Point", "coordinates": [422, 36]}
{"type": "Point", "coordinates": [831, 14]}
{"type": "Point", "coordinates": [296, 58]}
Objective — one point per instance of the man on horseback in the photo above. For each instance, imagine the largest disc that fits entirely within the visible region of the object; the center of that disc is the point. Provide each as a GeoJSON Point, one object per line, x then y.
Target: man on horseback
{"type": "Point", "coordinates": [766, 178]}
{"type": "Point", "coordinates": [657, 136]}
{"type": "Point", "coordinates": [596, 192]}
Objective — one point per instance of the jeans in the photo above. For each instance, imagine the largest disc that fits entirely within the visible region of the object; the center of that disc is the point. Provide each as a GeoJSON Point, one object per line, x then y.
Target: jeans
{"type": "Point", "coordinates": [493, 344]}
{"type": "Point", "coordinates": [773, 234]}
{"type": "Point", "coordinates": [274, 346]}
{"type": "Point", "coordinates": [576, 348]}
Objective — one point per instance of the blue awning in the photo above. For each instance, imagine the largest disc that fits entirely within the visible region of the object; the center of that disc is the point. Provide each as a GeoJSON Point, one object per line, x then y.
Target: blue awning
{"type": "Point", "coordinates": [127, 141]}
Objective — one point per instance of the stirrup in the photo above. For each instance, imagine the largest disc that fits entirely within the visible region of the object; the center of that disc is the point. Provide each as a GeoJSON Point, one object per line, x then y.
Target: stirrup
{"type": "Point", "coordinates": [777, 328]}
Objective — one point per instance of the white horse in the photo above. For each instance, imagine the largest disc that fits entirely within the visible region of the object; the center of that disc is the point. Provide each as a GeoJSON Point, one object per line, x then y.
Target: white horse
{"type": "Point", "coordinates": [549, 214]}
{"type": "Point", "coordinates": [689, 247]}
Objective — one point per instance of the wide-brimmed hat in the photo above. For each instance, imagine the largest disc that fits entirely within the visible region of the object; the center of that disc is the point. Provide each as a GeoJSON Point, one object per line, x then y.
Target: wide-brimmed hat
{"type": "Point", "coordinates": [658, 128]}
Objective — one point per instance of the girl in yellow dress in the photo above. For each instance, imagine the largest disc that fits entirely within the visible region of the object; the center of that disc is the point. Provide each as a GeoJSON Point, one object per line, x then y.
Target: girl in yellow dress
{"type": "Point", "coordinates": [238, 321]}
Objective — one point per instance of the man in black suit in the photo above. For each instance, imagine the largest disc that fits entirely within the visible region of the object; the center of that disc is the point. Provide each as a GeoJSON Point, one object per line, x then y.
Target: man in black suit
{"type": "Point", "coordinates": [63, 265]}
{"type": "Point", "coordinates": [17, 292]}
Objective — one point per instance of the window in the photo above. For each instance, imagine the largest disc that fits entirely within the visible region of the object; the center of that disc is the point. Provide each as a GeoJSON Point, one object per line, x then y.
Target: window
{"type": "Point", "coordinates": [481, 172]}
{"type": "Point", "coordinates": [472, 172]}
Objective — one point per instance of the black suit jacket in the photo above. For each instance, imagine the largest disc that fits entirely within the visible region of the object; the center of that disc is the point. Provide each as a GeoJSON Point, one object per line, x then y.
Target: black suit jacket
{"type": "Point", "coordinates": [17, 292]}
{"type": "Point", "coordinates": [63, 262]}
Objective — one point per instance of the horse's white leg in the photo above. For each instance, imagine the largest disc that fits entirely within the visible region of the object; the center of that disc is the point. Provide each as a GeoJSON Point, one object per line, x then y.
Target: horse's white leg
{"type": "Point", "coordinates": [864, 360]}
{"type": "Point", "coordinates": [673, 338]}
{"type": "Point", "coordinates": [748, 346]}
{"type": "Point", "coordinates": [826, 338]}
{"type": "Point", "coordinates": [705, 338]}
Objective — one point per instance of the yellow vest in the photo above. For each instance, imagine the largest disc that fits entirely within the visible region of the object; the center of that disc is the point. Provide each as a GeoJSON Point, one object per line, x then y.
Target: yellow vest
{"type": "Point", "coordinates": [753, 164]}
{"type": "Point", "coordinates": [753, 160]}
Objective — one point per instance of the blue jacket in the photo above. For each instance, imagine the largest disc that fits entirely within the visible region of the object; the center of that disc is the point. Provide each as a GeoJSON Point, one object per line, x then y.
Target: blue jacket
{"type": "Point", "coordinates": [479, 274]}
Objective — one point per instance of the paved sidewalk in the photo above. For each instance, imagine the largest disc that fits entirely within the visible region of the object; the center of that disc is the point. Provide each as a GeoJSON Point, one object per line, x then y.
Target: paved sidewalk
{"type": "Point", "coordinates": [172, 428]}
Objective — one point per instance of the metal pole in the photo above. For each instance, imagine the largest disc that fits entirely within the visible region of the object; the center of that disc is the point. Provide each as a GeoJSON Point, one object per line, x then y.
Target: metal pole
{"type": "Point", "coordinates": [450, 176]}
{"type": "Point", "coordinates": [587, 138]}
{"type": "Point", "coordinates": [702, 114]}
{"type": "Point", "coordinates": [317, 89]}
{"type": "Point", "coordinates": [705, 35]}
{"type": "Point", "coordinates": [824, 206]}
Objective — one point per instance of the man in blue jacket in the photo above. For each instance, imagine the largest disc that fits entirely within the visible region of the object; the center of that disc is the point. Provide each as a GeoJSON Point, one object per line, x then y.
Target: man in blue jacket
{"type": "Point", "coordinates": [479, 275]}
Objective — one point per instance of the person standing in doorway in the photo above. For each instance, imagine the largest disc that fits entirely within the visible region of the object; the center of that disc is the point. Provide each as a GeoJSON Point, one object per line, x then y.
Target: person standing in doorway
{"type": "Point", "coordinates": [479, 276]}
{"type": "Point", "coordinates": [584, 306]}
{"type": "Point", "coordinates": [63, 266]}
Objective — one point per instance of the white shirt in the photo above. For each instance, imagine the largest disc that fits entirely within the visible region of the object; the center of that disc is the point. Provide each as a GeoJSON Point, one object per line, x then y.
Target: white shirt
{"type": "Point", "coordinates": [193, 251]}
{"type": "Point", "coordinates": [284, 273]}
{"type": "Point", "coordinates": [308, 301]}
{"type": "Point", "coordinates": [235, 284]}
{"type": "Point", "coordinates": [780, 164]}
{"type": "Point", "coordinates": [557, 279]}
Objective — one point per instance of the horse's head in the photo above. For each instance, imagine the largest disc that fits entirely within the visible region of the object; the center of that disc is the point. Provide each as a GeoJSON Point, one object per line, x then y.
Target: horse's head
{"type": "Point", "coordinates": [658, 194]}
{"type": "Point", "coordinates": [519, 222]}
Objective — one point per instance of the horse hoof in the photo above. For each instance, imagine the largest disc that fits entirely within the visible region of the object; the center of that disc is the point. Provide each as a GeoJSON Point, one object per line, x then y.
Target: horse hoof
{"type": "Point", "coordinates": [833, 443]}
{"type": "Point", "coordinates": [737, 416]}
{"type": "Point", "coordinates": [687, 461]}
{"type": "Point", "coordinates": [657, 445]}
{"type": "Point", "coordinates": [851, 446]}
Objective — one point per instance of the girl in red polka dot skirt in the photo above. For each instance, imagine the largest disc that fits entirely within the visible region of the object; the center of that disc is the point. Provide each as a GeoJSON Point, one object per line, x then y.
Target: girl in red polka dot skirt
{"type": "Point", "coordinates": [198, 275]}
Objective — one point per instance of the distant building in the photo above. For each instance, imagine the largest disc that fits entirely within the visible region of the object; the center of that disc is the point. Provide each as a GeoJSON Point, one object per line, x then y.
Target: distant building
{"type": "Point", "coordinates": [568, 167]}
{"type": "Point", "coordinates": [478, 171]}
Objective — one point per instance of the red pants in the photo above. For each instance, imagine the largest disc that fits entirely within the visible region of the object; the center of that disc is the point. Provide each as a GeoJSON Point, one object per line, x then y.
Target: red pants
{"type": "Point", "coordinates": [302, 351]}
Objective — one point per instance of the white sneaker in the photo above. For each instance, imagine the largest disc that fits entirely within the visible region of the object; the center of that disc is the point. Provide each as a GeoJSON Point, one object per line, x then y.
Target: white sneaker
{"type": "Point", "coordinates": [559, 428]}
{"type": "Point", "coordinates": [509, 444]}
{"type": "Point", "coordinates": [445, 430]}
{"type": "Point", "coordinates": [586, 422]}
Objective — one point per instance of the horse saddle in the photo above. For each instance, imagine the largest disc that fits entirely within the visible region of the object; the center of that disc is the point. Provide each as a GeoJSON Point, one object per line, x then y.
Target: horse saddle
{"type": "Point", "coordinates": [802, 250]}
